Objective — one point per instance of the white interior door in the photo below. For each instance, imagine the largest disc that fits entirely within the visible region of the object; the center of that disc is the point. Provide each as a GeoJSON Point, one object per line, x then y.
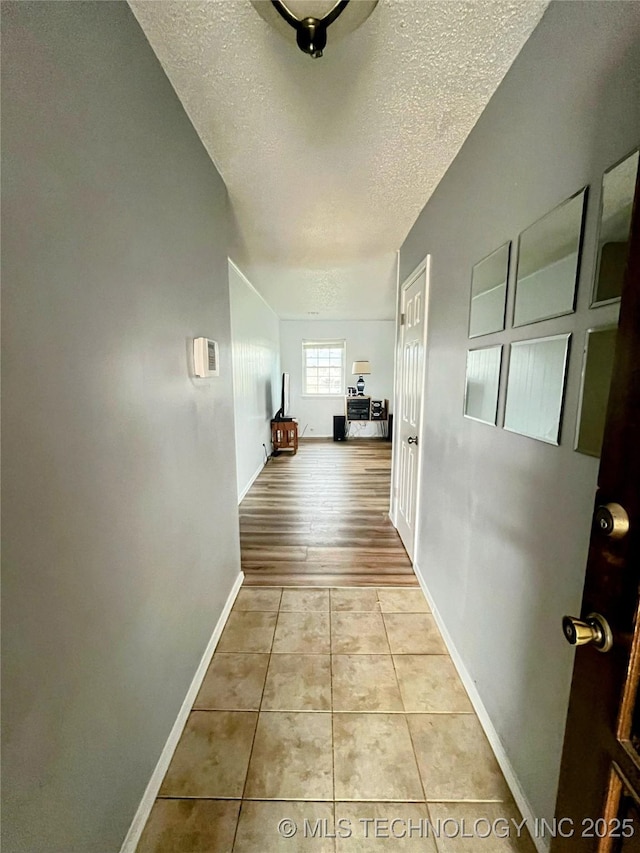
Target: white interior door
{"type": "Point", "coordinates": [412, 345]}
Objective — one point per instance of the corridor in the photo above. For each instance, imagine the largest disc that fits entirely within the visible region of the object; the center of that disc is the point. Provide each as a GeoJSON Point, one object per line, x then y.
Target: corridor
{"type": "Point", "coordinates": [331, 718]}
{"type": "Point", "coordinates": [195, 218]}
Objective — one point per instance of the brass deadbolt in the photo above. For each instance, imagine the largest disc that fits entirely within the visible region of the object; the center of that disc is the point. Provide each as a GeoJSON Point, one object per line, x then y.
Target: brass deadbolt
{"type": "Point", "coordinates": [612, 520]}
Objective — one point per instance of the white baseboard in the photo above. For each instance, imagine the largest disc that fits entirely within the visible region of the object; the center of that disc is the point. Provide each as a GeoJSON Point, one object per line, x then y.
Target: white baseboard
{"type": "Point", "coordinates": [148, 798]}
{"type": "Point", "coordinates": [541, 844]}
{"type": "Point", "coordinates": [254, 477]}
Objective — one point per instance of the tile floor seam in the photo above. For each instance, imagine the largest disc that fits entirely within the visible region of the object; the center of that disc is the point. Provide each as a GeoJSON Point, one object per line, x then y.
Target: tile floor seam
{"type": "Point", "coordinates": [337, 710]}
{"type": "Point", "coordinates": [377, 800]}
{"type": "Point", "coordinates": [333, 739]}
{"type": "Point", "coordinates": [242, 800]}
{"type": "Point", "coordinates": [196, 797]}
{"type": "Point", "coordinates": [332, 610]}
{"type": "Point", "coordinates": [335, 840]}
{"type": "Point", "coordinates": [253, 740]}
{"type": "Point", "coordinates": [434, 800]}
{"type": "Point", "coordinates": [413, 746]}
{"type": "Point", "coordinates": [331, 632]}
{"type": "Point", "coordinates": [395, 671]}
{"type": "Point", "coordinates": [477, 800]}
{"type": "Point", "coordinates": [328, 586]}
{"type": "Point", "coordinates": [436, 840]}
{"type": "Point", "coordinates": [397, 654]}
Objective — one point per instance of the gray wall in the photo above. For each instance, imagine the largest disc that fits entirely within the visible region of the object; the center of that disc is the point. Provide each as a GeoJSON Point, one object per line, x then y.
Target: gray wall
{"type": "Point", "coordinates": [119, 488]}
{"type": "Point", "coordinates": [505, 519]}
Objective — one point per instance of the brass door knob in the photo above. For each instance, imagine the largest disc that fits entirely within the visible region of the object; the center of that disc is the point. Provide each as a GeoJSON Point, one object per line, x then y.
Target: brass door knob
{"type": "Point", "coordinates": [412, 439]}
{"type": "Point", "coordinates": [612, 520]}
{"type": "Point", "coordinates": [594, 629]}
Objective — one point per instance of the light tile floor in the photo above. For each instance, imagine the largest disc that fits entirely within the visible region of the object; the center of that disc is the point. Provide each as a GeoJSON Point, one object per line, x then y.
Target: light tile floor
{"type": "Point", "coordinates": [338, 713]}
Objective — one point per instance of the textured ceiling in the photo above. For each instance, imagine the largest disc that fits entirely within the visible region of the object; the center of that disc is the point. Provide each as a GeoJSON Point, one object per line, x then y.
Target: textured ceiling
{"type": "Point", "coordinates": [329, 161]}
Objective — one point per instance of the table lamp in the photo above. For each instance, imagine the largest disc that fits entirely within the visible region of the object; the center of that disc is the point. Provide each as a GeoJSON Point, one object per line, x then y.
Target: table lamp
{"type": "Point", "coordinates": [360, 369]}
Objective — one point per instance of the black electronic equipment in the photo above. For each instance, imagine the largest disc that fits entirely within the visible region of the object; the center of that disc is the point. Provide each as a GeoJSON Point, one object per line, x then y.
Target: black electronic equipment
{"type": "Point", "coordinates": [283, 412]}
{"type": "Point", "coordinates": [339, 427]}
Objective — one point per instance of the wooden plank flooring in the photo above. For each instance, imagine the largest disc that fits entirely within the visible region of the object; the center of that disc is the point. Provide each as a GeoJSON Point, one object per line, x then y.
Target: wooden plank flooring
{"type": "Point", "coordinates": [321, 518]}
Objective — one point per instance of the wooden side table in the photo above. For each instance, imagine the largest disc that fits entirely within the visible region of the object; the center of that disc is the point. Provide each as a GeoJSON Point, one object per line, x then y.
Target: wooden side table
{"type": "Point", "coordinates": [284, 436]}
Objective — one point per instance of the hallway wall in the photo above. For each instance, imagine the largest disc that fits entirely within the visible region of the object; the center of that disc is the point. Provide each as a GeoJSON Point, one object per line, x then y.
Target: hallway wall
{"type": "Point", "coordinates": [120, 524]}
{"type": "Point", "coordinates": [255, 342]}
{"type": "Point", "coordinates": [505, 519]}
{"type": "Point", "coordinates": [371, 340]}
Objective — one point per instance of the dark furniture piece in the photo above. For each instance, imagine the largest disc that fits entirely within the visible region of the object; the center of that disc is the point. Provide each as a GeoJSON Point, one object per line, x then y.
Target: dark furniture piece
{"type": "Point", "coordinates": [357, 408]}
{"type": "Point", "coordinates": [339, 428]}
{"type": "Point", "coordinates": [366, 409]}
{"type": "Point", "coordinates": [361, 409]}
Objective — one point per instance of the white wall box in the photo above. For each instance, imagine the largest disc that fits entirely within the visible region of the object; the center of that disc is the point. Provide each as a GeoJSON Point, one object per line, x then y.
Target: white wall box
{"type": "Point", "coordinates": [206, 359]}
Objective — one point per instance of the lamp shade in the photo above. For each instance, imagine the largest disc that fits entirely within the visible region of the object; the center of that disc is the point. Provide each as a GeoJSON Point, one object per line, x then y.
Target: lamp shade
{"type": "Point", "coordinates": [360, 368]}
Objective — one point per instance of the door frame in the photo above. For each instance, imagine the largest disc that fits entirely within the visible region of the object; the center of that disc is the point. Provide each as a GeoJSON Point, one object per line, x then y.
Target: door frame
{"type": "Point", "coordinates": [423, 266]}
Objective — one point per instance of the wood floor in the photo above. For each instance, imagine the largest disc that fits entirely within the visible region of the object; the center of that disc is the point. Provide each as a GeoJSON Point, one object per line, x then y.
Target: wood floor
{"type": "Point", "coordinates": [321, 518]}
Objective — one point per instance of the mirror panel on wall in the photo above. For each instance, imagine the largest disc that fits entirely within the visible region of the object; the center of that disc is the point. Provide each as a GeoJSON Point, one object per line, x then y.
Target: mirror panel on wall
{"type": "Point", "coordinates": [597, 369]}
{"type": "Point", "coordinates": [618, 187]}
{"type": "Point", "coordinates": [548, 263]}
{"type": "Point", "coordinates": [483, 381]}
{"type": "Point", "coordinates": [535, 387]}
{"type": "Point", "coordinates": [489, 293]}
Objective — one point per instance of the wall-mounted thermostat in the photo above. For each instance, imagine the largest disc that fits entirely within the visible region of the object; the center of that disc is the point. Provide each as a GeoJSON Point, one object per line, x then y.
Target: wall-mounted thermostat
{"type": "Point", "coordinates": [206, 361]}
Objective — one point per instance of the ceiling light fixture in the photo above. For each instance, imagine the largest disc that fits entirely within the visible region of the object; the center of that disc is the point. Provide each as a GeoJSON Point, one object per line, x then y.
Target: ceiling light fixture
{"type": "Point", "coordinates": [311, 33]}
{"type": "Point", "coordinates": [311, 18]}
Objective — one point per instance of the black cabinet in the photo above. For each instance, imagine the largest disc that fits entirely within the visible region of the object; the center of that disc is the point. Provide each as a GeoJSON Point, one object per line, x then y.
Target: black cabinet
{"type": "Point", "coordinates": [358, 408]}
{"type": "Point", "coordinates": [366, 409]}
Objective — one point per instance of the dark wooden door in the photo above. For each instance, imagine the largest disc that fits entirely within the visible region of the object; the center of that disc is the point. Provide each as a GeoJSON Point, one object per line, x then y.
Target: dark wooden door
{"type": "Point", "coordinates": [600, 774]}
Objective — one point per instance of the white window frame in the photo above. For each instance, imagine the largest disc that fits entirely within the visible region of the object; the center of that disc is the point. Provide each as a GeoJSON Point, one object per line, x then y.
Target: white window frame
{"type": "Point", "coordinates": [324, 344]}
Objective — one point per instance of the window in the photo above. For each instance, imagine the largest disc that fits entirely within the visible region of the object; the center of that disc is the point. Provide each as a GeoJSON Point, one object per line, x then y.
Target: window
{"type": "Point", "coordinates": [323, 367]}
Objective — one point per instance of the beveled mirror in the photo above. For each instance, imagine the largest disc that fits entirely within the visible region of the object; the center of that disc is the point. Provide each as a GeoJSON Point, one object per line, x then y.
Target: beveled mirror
{"type": "Point", "coordinates": [482, 383]}
{"type": "Point", "coordinates": [535, 387]}
{"type": "Point", "coordinates": [618, 187]}
{"type": "Point", "coordinates": [597, 369]}
{"type": "Point", "coordinates": [489, 293]}
{"type": "Point", "coordinates": [548, 263]}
